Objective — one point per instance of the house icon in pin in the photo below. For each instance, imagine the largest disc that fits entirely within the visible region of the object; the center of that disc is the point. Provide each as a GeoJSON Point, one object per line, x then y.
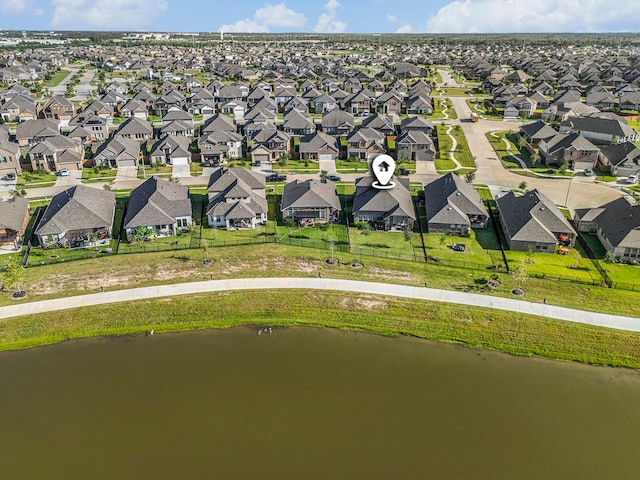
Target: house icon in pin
{"type": "Point", "coordinates": [384, 166]}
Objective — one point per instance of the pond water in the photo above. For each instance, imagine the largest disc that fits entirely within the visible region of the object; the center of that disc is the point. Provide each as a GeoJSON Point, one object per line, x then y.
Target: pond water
{"type": "Point", "coordinates": [309, 404]}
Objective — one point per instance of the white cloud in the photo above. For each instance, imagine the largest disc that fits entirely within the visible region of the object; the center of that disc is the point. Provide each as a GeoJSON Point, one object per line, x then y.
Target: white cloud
{"type": "Point", "coordinates": [328, 22]}
{"type": "Point", "coordinates": [8, 7]}
{"type": "Point", "coordinates": [392, 18]}
{"type": "Point", "coordinates": [108, 14]}
{"type": "Point", "coordinates": [472, 16]}
{"type": "Point", "coordinates": [405, 29]}
{"type": "Point", "coordinates": [278, 16]}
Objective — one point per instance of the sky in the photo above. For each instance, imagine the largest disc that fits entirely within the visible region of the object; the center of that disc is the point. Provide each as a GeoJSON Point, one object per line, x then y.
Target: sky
{"type": "Point", "coordinates": [324, 16]}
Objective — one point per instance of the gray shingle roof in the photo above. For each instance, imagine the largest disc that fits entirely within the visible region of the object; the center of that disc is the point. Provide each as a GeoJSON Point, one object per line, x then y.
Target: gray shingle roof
{"type": "Point", "coordinates": [157, 202]}
{"type": "Point", "coordinates": [78, 208]}
{"type": "Point", "coordinates": [393, 201]}
{"type": "Point", "coordinates": [449, 199]}
{"type": "Point", "coordinates": [308, 194]}
{"type": "Point", "coordinates": [532, 217]}
{"type": "Point", "coordinates": [12, 213]}
{"type": "Point", "coordinates": [619, 221]}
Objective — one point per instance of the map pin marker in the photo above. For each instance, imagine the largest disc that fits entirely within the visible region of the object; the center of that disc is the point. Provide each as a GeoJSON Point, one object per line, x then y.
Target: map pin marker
{"type": "Point", "coordinates": [382, 168]}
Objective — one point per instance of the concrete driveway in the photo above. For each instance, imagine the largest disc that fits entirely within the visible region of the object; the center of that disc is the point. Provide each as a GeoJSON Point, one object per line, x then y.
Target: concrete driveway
{"type": "Point", "coordinates": [74, 178]}
{"type": "Point", "coordinates": [180, 171]}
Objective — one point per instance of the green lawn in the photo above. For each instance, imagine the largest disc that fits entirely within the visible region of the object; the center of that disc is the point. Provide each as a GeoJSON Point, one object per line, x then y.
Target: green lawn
{"type": "Point", "coordinates": [455, 91]}
{"type": "Point", "coordinates": [98, 174]}
{"type": "Point", "coordinates": [351, 166]}
{"type": "Point", "coordinates": [623, 273]}
{"type": "Point", "coordinates": [380, 243]}
{"type": "Point", "coordinates": [297, 166]}
{"type": "Point", "coordinates": [35, 179]}
{"type": "Point", "coordinates": [572, 266]}
{"type": "Point", "coordinates": [482, 250]}
{"type": "Point", "coordinates": [147, 171]}
{"type": "Point", "coordinates": [56, 78]}
{"type": "Point", "coordinates": [462, 152]}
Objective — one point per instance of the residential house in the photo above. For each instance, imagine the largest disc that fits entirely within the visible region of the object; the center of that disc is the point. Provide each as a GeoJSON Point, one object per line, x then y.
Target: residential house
{"type": "Point", "coordinates": [601, 99]}
{"type": "Point", "coordinates": [453, 206]}
{"type": "Point", "coordinates": [387, 209]}
{"type": "Point", "coordinates": [415, 146]}
{"type": "Point", "coordinates": [157, 208]}
{"type": "Point", "coordinates": [237, 199]}
{"type": "Point", "coordinates": [337, 122]}
{"type": "Point", "coordinates": [358, 104]}
{"type": "Point", "coordinates": [14, 218]}
{"type": "Point", "coordinates": [218, 146]}
{"type": "Point", "coordinates": [277, 142]}
{"type": "Point", "coordinates": [600, 130]}
{"type": "Point", "coordinates": [389, 103]}
{"type": "Point", "coordinates": [30, 132]}
{"type": "Point", "coordinates": [319, 146]}
{"type": "Point", "coordinates": [620, 159]}
{"type": "Point", "coordinates": [382, 123]}
{"type": "Point", "coordinates": [413, 123]}
{"type": "Point", "coordinates": [573, 147]}
{"type": "Point", "coordinates": [419, 104]}
{"type": "Point", "coordinates": [55, 153]}
{"type": "Point", "coordinates": [309, 202]}
{"type": "Point", "coordinates": [365, 142]}
{"type": "Point", "coordinates": [324, 103]}
{"type": "Point", "coordinates": [100, 109]}
{"type": "Point", "coordinates": [177, 122]}
{"type": "Point", "coordinates": [59, 108]}
{"type": "Point", "coordinates": [135, 108]}
{"type": "Point", "coordinates": [630, 101]}
{"type": "Point", "coordinates": [118, 152]}
{"type": "Point", "coordinates": [95, 127]}
{"type": "Point", "coordinates": [171, 150]}
{"type": "Point", "coordinates": [532, 222]}
{"type": "Point", "coordinates": [617, 226]}
{"type": "Point", "coordinates": [218, 122]}
{"type": "Point", "coordinates": [19, 109]}
{"type": "Point", "coordinates": [9, 155]}
{"type": "Point", "coordinates": [536, 131]}
{"type": "Point", "coordinates": [298, 124]}
{"type": "Point", "coordinates": [77, 217]}
{"type": "Point", "coordinates": [135, 128]}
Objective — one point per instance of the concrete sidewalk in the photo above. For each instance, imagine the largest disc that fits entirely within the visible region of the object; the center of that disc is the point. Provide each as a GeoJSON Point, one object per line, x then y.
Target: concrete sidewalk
{"type": "Point", "coordinates": [381, 289]}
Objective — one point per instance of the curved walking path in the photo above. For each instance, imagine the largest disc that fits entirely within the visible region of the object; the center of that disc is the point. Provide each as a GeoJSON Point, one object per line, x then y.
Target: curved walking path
{"type": "Point", "coordinates": [382, 289]}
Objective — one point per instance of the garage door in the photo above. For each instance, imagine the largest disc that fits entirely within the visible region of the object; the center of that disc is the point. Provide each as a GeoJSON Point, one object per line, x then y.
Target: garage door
{"type": "Point", "coordinates": [126, 163]}
{"type": "Point", "coordinates": [180, 161]}
{"type": "Point", "coordinates": [326, 157]}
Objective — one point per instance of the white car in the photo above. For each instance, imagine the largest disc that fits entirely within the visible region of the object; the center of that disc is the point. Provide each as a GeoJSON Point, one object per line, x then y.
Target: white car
{"type": "Point", "coordinates": [64, 172]}
{"type": "Point", "coordinates": [633, 179]}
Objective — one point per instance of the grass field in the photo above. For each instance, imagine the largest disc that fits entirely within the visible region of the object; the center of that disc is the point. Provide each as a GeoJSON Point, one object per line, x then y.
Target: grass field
{"type": "Point", "coordinates": [56, 78]}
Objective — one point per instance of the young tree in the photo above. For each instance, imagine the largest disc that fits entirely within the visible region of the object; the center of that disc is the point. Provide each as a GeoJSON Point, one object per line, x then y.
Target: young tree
{"type": "Point", "coordinates": [564, 165]}
{"type": "Point", "coordinates": [520, 274]}
{"type": "Point", "coordinates": [523, 185]}
{"type": "Point", "coordinates": [12, 275]}
{"type": "Point", "coordinates": [470, 177]}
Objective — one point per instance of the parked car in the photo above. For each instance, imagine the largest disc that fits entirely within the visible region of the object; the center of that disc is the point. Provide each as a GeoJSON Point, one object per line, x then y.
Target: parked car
{"type": "Point", "coordinates": [257, 163]}
{"type": "Point", "coordinates": [335, 178]}
{"type": "Point", "coordinates": [10, 176]}
{"type": "Point", "coordinates": [588, 172]}
{"type": "Point", "coordinates": [404, 171]}
{"type": "Point", "coordinates": [275, 177]}
{"type": "Point", "coordinates": [632, 179]}
{"type": "Point", "coordinates": [64, 172]}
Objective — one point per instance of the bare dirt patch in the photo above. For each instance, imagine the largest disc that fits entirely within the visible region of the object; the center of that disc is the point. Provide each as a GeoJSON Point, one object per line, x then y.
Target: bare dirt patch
{"type": "Point", "coordinates": [378, 272]}
{"type": "Point", "coordinates": [370, 303]}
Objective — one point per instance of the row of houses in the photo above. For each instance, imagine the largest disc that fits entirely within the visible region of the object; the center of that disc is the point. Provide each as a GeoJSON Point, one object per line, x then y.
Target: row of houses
{"type": "Point", "coordinates": [81, 216]}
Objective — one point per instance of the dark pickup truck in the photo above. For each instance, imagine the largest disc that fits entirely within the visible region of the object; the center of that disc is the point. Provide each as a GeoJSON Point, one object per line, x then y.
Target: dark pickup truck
{"type": "Point", "coordinates": [274, 177]}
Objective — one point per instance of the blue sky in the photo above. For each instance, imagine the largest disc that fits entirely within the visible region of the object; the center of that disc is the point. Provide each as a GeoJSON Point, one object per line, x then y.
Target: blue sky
{"type": "Point", "coordinates": [324, 16]}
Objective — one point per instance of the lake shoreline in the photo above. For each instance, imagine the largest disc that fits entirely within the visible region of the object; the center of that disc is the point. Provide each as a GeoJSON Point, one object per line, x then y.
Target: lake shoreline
{"type": "Point", "coordinates": [472, 327]}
